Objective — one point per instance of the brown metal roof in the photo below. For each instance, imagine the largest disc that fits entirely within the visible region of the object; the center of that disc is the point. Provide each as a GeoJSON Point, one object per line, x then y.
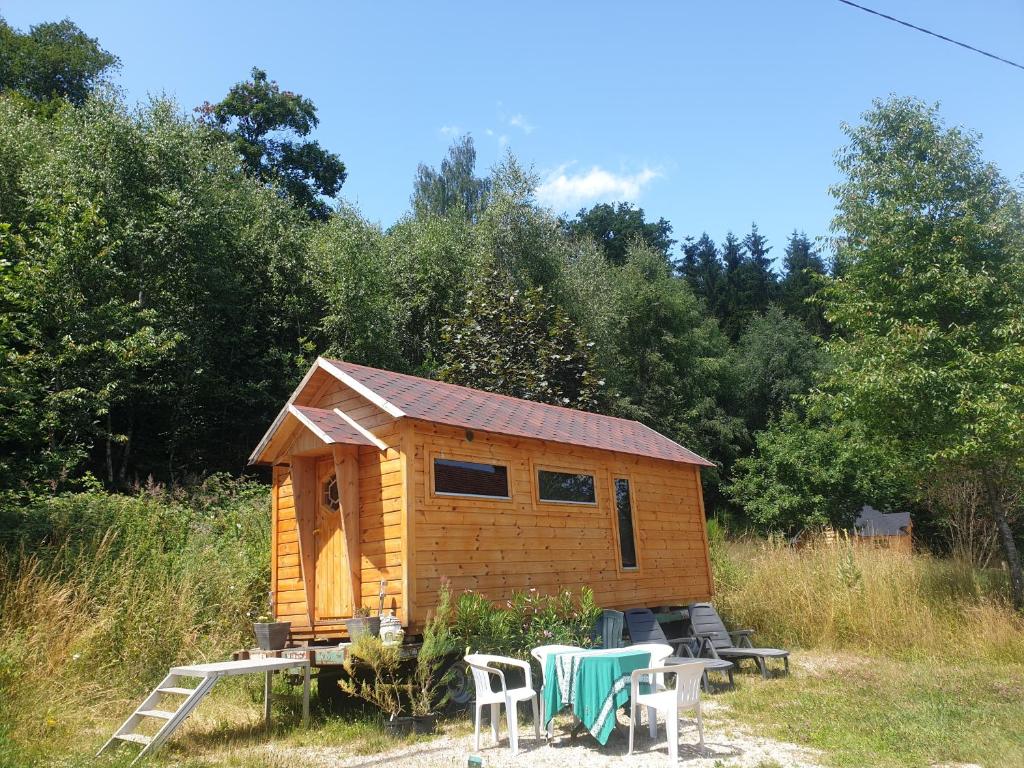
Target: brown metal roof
{"type": "Point", "coordinates": [457, 406]}
{"type": "Point", "coordinates": [331, 424]}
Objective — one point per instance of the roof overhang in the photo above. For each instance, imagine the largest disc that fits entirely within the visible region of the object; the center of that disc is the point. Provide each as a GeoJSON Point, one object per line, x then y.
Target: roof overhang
{"type": "Point", "coordinates": [330, 426]}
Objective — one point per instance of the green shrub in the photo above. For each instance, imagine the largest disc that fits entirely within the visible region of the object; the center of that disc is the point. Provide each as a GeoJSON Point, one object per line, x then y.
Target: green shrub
{"type": "Point", "coordinates": [525, 621]}
{"type": "Point", "coordinates": [378, 674]}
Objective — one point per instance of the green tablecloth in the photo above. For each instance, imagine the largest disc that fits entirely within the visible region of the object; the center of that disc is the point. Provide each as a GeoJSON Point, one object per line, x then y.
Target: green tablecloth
{"type": "Point", "coordinates": [594, 684]}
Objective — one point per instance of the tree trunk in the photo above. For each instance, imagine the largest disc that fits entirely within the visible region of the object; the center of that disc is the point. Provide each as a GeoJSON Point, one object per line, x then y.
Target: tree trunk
{"type": "Point", "coordinates": [995, 503]}
{"type": "Point", "coordinates": [110, 452]}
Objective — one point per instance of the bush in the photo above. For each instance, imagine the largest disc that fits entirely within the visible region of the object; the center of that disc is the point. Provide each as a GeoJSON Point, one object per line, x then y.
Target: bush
{"type": "Point", "coordinates": [378, 674]}
{"type": "Point", "coordinates": [525, 621]}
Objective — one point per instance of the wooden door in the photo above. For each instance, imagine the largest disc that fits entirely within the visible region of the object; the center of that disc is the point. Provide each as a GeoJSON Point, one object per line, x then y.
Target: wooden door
{"type": "Point", "coordinates": [333, 585]}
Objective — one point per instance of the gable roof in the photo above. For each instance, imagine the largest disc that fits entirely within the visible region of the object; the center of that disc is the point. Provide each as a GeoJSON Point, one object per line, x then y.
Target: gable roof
{"type": "Point", "coordinates": [328, 425]}
{"type": "Point", "coordinates": [450, 404]}
{"type": "Point", "coordinates": [400, 395]}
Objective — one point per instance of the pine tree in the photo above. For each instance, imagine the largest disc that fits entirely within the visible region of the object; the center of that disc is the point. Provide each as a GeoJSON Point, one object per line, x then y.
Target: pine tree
{"type": "Point", "coordinates": [702, 270]}
{"type": "Point", "coordinates": [732, 312]}
{"type": "Point", "coordinates": [758, 280]}
{"type": "Point", "coordinates": [802, 267]}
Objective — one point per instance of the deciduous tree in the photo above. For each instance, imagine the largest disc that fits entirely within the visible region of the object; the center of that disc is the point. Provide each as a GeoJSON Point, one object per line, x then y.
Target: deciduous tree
{"type": "Point", "coordinates": [930, 302]}
{"type": "Point", "coordinates": [54, 60]}
{"type": "Point", "coordinates": [264, 124]}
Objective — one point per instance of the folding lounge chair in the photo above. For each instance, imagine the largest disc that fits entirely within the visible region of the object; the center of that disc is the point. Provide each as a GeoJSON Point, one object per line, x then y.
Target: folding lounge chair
{"type": "Point", "coordinates": [607, 631]}
{"type": "Point", "coordinates": [733, 646]}
{"type": "Point", "coordinates": [644, 628]}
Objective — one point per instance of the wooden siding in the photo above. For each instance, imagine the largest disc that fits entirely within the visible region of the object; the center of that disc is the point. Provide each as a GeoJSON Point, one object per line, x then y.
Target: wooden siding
{"type": "Point", "coordinates": [286, 571]}
{"type": "Point", "coordinates": [380, 500]}
{"type": "Point", "coordinates": [497, 546]}
{"type": "Point", "coordinates": [414, 538]}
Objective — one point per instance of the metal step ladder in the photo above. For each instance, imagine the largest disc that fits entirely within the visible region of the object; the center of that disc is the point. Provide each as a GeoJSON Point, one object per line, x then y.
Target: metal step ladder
{"type": "Point", "coordinates": [149, 709]}
{"type": "Point", "coordinates": [208, 675]}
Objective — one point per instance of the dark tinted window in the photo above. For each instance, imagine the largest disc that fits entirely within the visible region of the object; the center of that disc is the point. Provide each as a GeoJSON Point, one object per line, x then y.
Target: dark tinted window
{"type": "Point", "coordinates": [565, 486]}
{"type": "Point", "coordinates": [627, 543]}
{"type": "Point", "coordinates": [469, 478]}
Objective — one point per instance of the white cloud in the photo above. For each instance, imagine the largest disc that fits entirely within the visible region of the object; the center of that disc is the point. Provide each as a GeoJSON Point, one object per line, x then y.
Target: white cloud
{"type": "Point", "coordinates": [518, 121]}
{"type": "Point", "coordinates": [502, 140]}
{"type": "Point", "coordinates": [561, 188]}
{"type": "Point", "coordinates": [449, 130]}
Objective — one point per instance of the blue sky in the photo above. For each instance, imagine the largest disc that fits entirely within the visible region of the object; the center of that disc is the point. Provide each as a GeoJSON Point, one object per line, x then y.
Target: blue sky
{"type": "Point", "coordinates": [712, 115]}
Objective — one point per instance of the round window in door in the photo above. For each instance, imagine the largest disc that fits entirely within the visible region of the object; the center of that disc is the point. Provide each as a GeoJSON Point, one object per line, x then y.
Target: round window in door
{"type": "Point", "coordinates": [331, 498]}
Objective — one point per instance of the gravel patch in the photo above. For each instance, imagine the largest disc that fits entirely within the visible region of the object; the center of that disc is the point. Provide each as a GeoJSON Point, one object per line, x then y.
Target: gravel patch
{"type": "Point", "coordinates": [724, 745]}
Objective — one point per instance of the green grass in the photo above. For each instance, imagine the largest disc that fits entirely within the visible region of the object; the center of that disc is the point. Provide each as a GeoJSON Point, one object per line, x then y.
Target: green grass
{"type": "Point", "coordinates": [877, 711]}
{"type": "Point", "coordinates": [899, 660]}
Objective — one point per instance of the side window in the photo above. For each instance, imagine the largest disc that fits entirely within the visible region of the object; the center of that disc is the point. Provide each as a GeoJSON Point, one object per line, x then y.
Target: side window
{"type": "Point", "coordinates": [565, 487]}
{"type": "Point", "coordinates": [624, 508]}
{"type": "Point", "coordinates": [470, 478]}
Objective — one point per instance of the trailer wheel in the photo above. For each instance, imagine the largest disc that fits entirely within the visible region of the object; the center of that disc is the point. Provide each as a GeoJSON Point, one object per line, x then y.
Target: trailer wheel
{"type": "Point", "coordinates": [460, 687]}
{"type": "Point", "coordinates": [331, 698]}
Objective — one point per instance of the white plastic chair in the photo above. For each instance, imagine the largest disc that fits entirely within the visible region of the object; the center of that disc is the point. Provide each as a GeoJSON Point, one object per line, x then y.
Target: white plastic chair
{"type": "Point", "coordinates": [480, 665]}
{"type": "Point", "coordinates": [670, 701]}
{"type": "Point", "coordinates": [541, 654]}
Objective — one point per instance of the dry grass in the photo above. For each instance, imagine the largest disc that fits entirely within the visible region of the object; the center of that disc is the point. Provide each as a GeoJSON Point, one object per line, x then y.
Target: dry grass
{"type": "Point", "coordinates": [115, 590]}
{"type": "Point", "coordinates": [875, 601]}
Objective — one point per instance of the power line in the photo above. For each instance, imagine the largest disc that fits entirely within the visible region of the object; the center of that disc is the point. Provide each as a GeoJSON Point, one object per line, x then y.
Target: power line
{"type": "Point", "coordinates": [933, 34]}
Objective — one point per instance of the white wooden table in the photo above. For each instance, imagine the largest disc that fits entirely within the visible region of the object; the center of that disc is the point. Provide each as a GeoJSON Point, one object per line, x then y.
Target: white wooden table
{"type": "Point", "coordinates": [251, 667]}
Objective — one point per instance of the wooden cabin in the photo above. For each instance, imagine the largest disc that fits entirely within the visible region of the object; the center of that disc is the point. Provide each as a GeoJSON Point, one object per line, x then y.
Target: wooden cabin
{"type": "Point", "coordinates": [383, 477]}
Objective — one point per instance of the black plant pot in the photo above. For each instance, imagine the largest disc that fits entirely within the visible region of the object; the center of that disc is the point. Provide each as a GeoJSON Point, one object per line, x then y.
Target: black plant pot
{"type": "Point", "coordinates": [422, 725]}
{"type": "Point", "coordinates": [362, 625]}
{"type": "Point", "coordinates": [272, 636]}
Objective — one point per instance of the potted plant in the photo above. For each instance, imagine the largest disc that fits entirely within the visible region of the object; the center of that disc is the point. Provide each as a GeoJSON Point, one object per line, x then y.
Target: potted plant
{"type": "Point", "coordinates": [408, 692]}
{"type": "Point", "coordinates": [271, 635]}
{"type": "Point", "coordinates": [362, 623]}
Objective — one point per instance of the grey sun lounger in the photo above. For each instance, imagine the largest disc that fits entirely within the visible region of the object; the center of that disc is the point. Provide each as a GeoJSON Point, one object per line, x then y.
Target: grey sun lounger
{"type": "Point", "coordinates": [734, 646]}
{"type": "Point", "coordinates": [643, 627]}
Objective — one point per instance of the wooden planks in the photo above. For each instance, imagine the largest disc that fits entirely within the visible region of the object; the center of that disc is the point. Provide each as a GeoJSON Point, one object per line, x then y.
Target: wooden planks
{"type": "Point", "coordinates": [499, 546]}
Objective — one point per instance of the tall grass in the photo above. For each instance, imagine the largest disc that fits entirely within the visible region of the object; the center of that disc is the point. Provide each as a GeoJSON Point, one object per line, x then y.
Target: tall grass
{"type": "Point", "coordinates": [100, 594]}
{"type": "Point", "coordinates": [839, 596]}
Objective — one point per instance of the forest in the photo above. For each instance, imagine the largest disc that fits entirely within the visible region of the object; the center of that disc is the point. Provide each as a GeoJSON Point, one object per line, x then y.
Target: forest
{"type": "Point", "coordinates": [167, 273]}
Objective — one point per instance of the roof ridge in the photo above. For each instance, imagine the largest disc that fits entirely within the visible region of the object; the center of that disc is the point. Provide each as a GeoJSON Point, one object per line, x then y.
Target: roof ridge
{"type": "Point", "coordinates": [337, 361]}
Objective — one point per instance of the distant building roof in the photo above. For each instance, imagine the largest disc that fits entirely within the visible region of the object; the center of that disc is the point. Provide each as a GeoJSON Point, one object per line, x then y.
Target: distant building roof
{"type": "Point", "coordinates": [871, 522]}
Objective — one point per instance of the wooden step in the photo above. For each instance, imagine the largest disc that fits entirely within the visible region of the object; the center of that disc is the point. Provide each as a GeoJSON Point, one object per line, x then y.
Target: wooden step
{"type": "Point", "coordinates": [159, 713]}
{"type": "Point", "coordinates": [179, 691]}
{"type": "Point", "coordinates": [137, 738]}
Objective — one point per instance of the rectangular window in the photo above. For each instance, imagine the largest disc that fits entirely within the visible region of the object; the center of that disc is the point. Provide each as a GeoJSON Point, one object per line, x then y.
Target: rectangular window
{"type": "Point", "coordinates": [627, 542]}
{"type": "Point", "coordinates": [565, 486]}
{"type": "Point", "coordinates": [469, 478]}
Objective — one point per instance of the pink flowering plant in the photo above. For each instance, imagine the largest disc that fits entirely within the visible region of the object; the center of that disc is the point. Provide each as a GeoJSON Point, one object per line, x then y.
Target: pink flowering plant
{"type": "Point", "coordinates": [512, 627]}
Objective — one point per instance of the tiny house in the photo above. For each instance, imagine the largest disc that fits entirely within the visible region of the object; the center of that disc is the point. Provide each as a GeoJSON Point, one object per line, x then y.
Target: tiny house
{"type": "Point", "coordinates": [385, 484]}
